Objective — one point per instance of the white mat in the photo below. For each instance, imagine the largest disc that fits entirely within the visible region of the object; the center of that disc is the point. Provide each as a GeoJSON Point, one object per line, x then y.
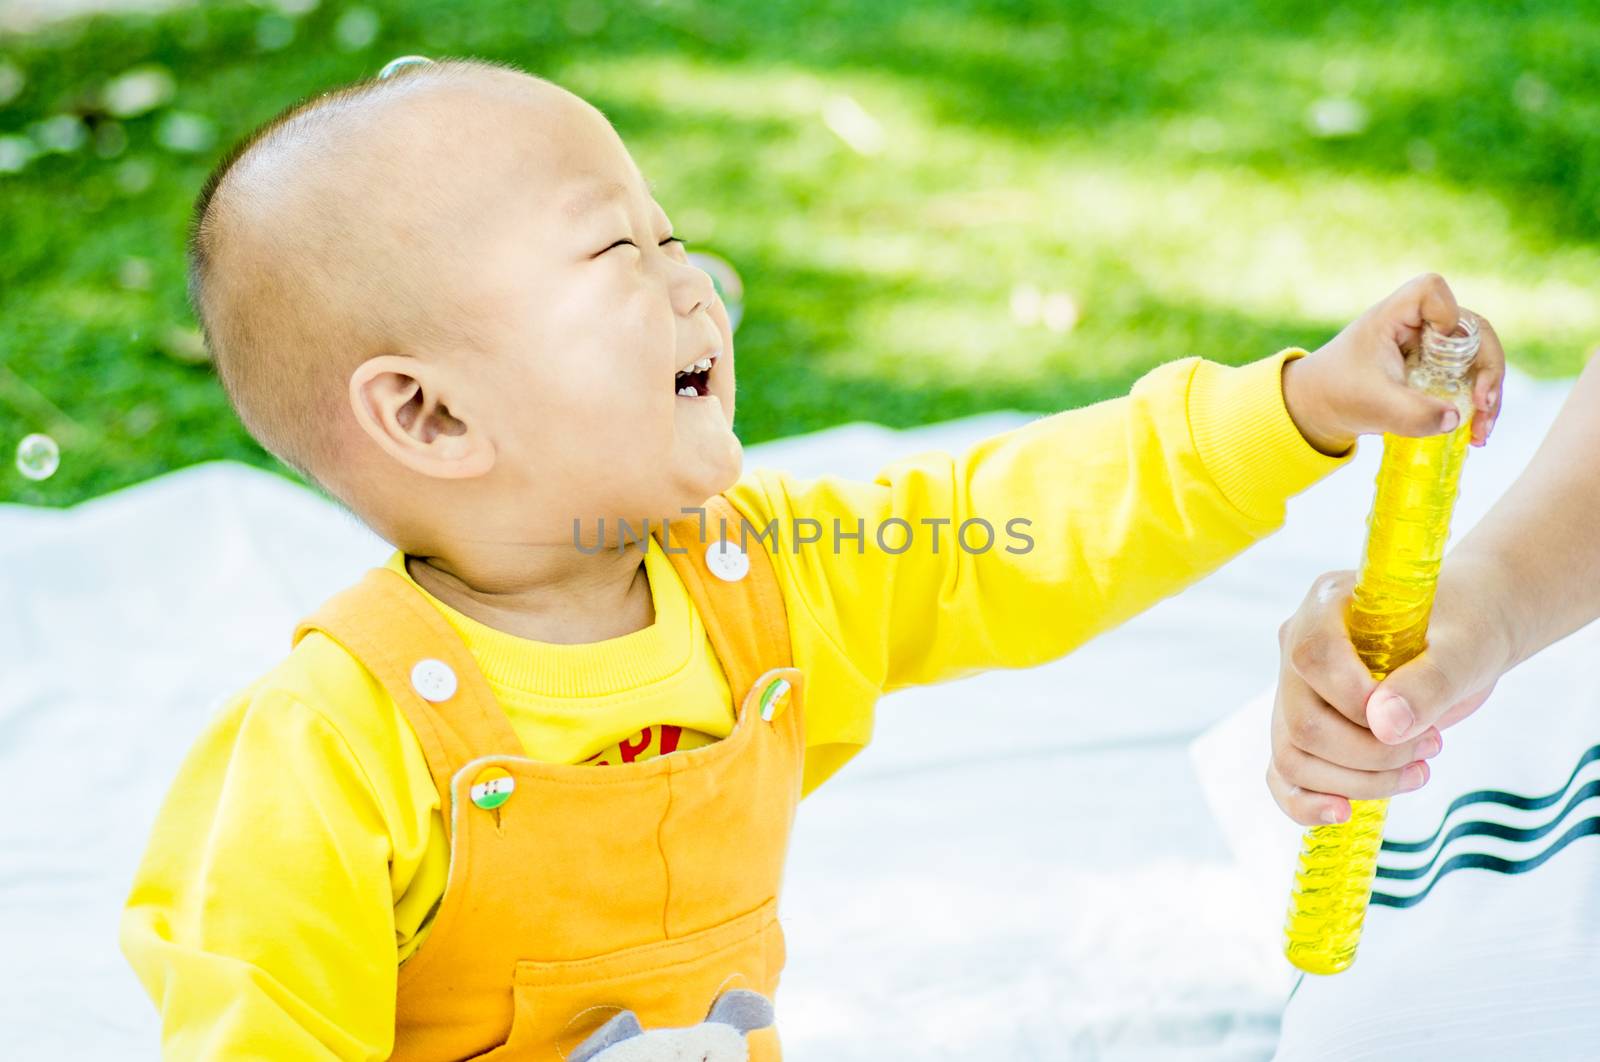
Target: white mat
{"type": "Point", "coordinates": [1023, 866]}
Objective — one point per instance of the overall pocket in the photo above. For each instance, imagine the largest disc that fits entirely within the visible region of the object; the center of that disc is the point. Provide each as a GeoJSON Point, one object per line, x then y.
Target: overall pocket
{"type": "Point", "coordinates": [665, 983]}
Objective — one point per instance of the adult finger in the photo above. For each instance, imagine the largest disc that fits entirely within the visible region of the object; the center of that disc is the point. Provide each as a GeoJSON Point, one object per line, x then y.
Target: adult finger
{"type": "Point", "coordinates": [1308, 772]}
{"type": "Point", "coordinates": [1314, 727]}
{"type": "Point", "coordinates": [1414, 696]}
{"type": "Point", "coordinates": [1316, 644]}
{"type": "Point", "coordinates": [1304, 806]}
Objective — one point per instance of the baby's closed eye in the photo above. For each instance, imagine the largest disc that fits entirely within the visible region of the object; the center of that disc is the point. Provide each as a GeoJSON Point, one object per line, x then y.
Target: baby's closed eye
{"type": "Point", "coordinates": [630, 243]}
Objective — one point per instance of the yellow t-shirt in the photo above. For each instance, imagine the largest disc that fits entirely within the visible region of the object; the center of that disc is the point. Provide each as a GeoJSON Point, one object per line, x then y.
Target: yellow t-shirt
{"type": "Point", "coordinates": [621, 700]}
{"type": "Point", "coordinates": [299, 853]}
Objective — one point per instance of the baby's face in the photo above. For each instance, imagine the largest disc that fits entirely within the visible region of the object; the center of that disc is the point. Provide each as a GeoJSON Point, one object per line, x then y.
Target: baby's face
{"type": "Point", "coordinates": [591, 310]}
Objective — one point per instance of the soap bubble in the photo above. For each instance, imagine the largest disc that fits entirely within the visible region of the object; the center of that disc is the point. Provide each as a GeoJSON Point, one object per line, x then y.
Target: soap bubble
{"type": "Point", "coordinates": [138, 91]}
{"type": "Point", "coordinates": [110, 139]}
{"type": "Point", "coordinates": [142, 418]}
{"type": "Point", "coordinates": [59, 133]}
{"type": "Point", "coordinates": [1206, 135]}
{"type": "Point", "coordinates": [401, 63]}
{"type": "Point", "coordinates": [1421, 155]}
{"type": "Point", "coordinates": [15, 153]}
{"type": "Point", "coordinates": [1056, 310]}
{"type": "Point", "coordinates": [135, 274]}
{"type": "Point", "coordinates": [726, 280]}
{"type": "Point", "coordinates": [38, 456]}
{"type": "Point", "coordinates": [356, 28]}
{"type": "Point", "coordinates": [1335, 116]}
{"type": "Point", "coordinates": [135, 176]}
{"type": "Point", "coordinates": [584, 17]}
{"type": "Point", "coordinates": [185, 131]}
{"type": "Point", "coordinates": [11, 82]}
{"type": "Point", "coordinates": [274, 32]}
{"type": "Point", "coordinates": [181, 343]}
{"type": "Point", "coordinates": [1532, 93]}
{"type": "Point", "coordinates": [1059, 311]}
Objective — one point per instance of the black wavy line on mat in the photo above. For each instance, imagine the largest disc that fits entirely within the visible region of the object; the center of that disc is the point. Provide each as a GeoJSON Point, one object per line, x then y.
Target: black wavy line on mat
{"type": "Point", "coordinates": [1495, 796]}
{"type": "Point", "coordinates": [1480, 861]}
{"type": "Point", "coordinates": [1480, 828]}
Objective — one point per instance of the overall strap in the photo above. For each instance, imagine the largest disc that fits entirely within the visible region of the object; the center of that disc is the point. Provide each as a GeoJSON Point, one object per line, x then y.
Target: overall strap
{"type": "Point", "coordinates": [734, 586]}
{"type": "Point", "coordinates": [411, 649]}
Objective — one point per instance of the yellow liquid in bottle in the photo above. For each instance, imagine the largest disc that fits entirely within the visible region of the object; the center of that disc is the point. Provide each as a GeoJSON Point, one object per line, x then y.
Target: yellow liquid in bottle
{"type": "Point", "coordinates": [1388, 624]}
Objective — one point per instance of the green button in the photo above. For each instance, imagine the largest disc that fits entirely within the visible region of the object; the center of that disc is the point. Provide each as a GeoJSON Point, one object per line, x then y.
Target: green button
{"type": "Point", "coordinates": [773, 698]}
{"type": "Point", "coordinates": [492, 787]}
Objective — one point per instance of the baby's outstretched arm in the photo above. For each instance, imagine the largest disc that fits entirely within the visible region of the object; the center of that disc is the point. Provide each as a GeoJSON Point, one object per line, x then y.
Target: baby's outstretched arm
{"type": "Point", "coordinates": [1526, 576]}
{"type": "Point", "coordinates": [1033, 541]}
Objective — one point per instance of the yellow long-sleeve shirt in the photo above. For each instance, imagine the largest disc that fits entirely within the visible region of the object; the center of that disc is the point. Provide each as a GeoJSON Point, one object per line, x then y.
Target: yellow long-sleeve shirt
{"type": "Point", "coordinates": [300, 852]}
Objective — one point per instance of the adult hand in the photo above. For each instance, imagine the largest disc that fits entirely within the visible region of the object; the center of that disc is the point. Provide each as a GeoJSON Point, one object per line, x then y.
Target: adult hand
{"type": "Point", "coordinates": [1340, 735]}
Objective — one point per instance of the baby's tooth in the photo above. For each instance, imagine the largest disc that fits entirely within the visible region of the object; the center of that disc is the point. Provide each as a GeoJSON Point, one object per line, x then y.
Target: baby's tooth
{"type": "Point", "coordinates": [687, 392]}
{"type": "Point", "coordinates": [702, 365]}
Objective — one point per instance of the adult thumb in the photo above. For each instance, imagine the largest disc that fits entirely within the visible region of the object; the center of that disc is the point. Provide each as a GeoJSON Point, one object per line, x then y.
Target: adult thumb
{"type": "Point", "coordinates": [1412, 698]}
{"type": "Point", "coordinates": [1403, 410]}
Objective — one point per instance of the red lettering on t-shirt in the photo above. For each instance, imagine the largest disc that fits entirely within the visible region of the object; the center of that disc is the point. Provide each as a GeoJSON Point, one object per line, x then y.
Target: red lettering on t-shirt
{"type": "Point", "coordinates": [669, 737]}
{"type": "Point", "coordinates": [629, 750]}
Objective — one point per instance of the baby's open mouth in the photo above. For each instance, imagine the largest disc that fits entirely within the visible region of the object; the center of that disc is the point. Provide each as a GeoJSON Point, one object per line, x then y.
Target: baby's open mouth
{"type": "Point", "coordinates": [692, 381]}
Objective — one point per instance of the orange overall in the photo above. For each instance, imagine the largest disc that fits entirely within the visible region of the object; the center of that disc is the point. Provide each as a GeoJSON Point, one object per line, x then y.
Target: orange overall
{"type": "Point", "coordinates": [577, 891]}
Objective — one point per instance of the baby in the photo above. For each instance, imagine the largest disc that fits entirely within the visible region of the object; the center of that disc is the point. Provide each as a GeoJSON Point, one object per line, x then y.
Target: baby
{"type": "Point", "coordinates": [540, 768]}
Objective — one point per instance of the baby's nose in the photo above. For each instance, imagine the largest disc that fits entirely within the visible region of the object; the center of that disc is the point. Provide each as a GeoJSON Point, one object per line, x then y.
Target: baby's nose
{"type": "Point", "coordinates": [692, 289]}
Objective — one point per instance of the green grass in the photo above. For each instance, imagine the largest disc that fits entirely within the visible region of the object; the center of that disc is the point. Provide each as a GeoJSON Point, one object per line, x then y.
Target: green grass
{"type": "Point", "coordinates": [1152, 160]}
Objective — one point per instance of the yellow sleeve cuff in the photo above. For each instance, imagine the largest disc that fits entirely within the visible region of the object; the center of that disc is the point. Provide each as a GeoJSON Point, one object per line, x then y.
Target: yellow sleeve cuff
{"type": "Point", "coordinates": [1246, 439]}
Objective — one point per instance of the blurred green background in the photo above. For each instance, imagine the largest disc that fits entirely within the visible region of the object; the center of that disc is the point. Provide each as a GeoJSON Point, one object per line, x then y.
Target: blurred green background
{"type": "Point", "coordinates": [936, 208]}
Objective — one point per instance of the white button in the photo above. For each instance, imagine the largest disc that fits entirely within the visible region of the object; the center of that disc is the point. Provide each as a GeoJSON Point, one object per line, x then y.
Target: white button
{"type": "Point", "coordinates": [434, 680]}
{"type": "Point", "coordinates": [727, 561]}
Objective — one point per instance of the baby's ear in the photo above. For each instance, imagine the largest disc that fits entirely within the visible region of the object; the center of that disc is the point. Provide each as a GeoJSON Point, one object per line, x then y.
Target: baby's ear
{"type": "Point", "coordinates": [624, 1026]}
{"type": "Point", "coordinates": [742, 1009]}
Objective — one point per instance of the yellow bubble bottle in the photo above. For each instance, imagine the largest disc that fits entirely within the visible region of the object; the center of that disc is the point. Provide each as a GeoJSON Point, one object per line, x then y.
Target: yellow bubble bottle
{"type": "Point", "coordinates": [1388, 625]}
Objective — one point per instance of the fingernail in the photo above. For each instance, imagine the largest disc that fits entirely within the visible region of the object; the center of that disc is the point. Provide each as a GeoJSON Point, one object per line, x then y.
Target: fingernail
{"type": "Point", "coordinates": [1451, 420]}
{"type": "Point", "coordinates": [1393, 714]}
{"type": "Point", "coordinates": [1413, 777]}
{"type": "Point", "coordinates": [1331, 816]}
{"type": "Point", "coordinates": [1487, 428]}
{"type": "Point", "coordinates": [1490, 397]}
{"type": "Point", "coordinates": [1429, 747]}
